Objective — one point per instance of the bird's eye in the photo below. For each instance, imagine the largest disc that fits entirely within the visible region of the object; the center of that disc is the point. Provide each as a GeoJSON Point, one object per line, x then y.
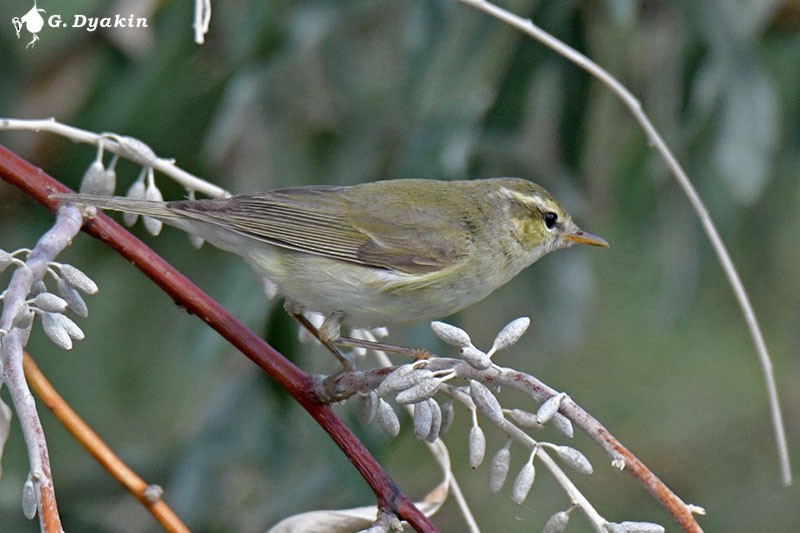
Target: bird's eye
{"type": "Point", "coordinates": [550, 219]}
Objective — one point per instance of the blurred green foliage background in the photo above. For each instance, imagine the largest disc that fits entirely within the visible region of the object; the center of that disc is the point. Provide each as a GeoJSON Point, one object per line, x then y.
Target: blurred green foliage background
{"type": "Point", "coordinates": [646, 336]}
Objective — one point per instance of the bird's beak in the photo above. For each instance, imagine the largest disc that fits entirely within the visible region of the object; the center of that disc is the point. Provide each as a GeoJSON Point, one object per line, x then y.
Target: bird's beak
{"type": "Point", "coordinates": [584, 237]}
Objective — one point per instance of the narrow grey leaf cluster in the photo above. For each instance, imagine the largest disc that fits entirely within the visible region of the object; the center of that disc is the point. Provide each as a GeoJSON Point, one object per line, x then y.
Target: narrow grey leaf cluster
{"type": "Point", "coordinates": [101, 180]}
{"type": "Point", "coordinates": [51, 307]}
{"type": "Point", "coordinates": [143, 188]}
{"type": "Point", "coordinates": [409, 384]}
{"type": "Point", "coordinates": [455, 336]}
{"type": "Point", "coordinates": [473, 356]}
{"type": "Point", "coordinates": [416, 384]}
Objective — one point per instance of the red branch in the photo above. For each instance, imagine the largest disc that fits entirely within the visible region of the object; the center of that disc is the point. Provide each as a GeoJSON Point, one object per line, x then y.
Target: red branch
{"type": "Point", "coordinates": [36, 183]}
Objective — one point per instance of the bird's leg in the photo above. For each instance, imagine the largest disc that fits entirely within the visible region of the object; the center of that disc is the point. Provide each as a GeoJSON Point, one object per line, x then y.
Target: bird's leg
{"type": "Point", "coordinates": [324, 334]}
{"type": "Point", "coordinates": [350, 342]}
{"type": "Point", "coordinates": [328, 334]}
{"type": "Point", "coordinates": [332, 327]}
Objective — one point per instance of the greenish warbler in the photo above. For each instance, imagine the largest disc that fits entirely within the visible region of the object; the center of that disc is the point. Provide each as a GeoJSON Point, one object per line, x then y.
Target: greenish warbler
{"type": "Point", "coordinates": [382, 253]}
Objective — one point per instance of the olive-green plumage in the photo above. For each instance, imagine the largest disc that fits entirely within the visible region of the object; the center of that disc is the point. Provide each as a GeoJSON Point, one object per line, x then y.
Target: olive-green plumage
{"type": "Point", "coordinates": [382, 253]}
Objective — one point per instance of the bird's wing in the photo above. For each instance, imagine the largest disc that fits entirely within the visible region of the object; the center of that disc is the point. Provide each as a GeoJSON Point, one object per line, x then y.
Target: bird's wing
{"type": "Point", "coordinates": [325, 221]}
{"type": "Point", "coordinates": [422, 240]}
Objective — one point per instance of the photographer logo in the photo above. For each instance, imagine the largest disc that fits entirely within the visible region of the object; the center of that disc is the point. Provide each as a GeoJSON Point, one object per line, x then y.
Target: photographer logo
{"type": "Point", "coordinates": [33, 22]}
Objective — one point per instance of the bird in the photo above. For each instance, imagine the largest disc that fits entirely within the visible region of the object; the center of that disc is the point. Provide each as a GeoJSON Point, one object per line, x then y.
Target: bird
{"type": "Point", "coordinates": [382, 253]}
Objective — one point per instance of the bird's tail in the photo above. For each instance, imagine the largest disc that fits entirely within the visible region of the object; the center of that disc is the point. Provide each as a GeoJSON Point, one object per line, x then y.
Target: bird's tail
{"type": "Point", "coordinates": [120, 203]}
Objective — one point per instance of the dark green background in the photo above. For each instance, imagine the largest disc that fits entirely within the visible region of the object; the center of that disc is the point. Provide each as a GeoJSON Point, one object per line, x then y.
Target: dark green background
{"type": "Point", "coordinates": [647, 335]}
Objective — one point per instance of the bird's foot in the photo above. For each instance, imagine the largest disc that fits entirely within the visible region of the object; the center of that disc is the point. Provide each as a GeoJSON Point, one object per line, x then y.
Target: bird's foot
{"type": "Point", "coordinates": [325, 335]}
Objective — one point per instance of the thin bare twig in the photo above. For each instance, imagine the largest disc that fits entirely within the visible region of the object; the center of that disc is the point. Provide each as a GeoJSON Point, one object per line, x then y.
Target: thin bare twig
{"type": "Point", "coordinates": [527, 26]}
{"type": "Point", "coordinates": [118, 144]}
